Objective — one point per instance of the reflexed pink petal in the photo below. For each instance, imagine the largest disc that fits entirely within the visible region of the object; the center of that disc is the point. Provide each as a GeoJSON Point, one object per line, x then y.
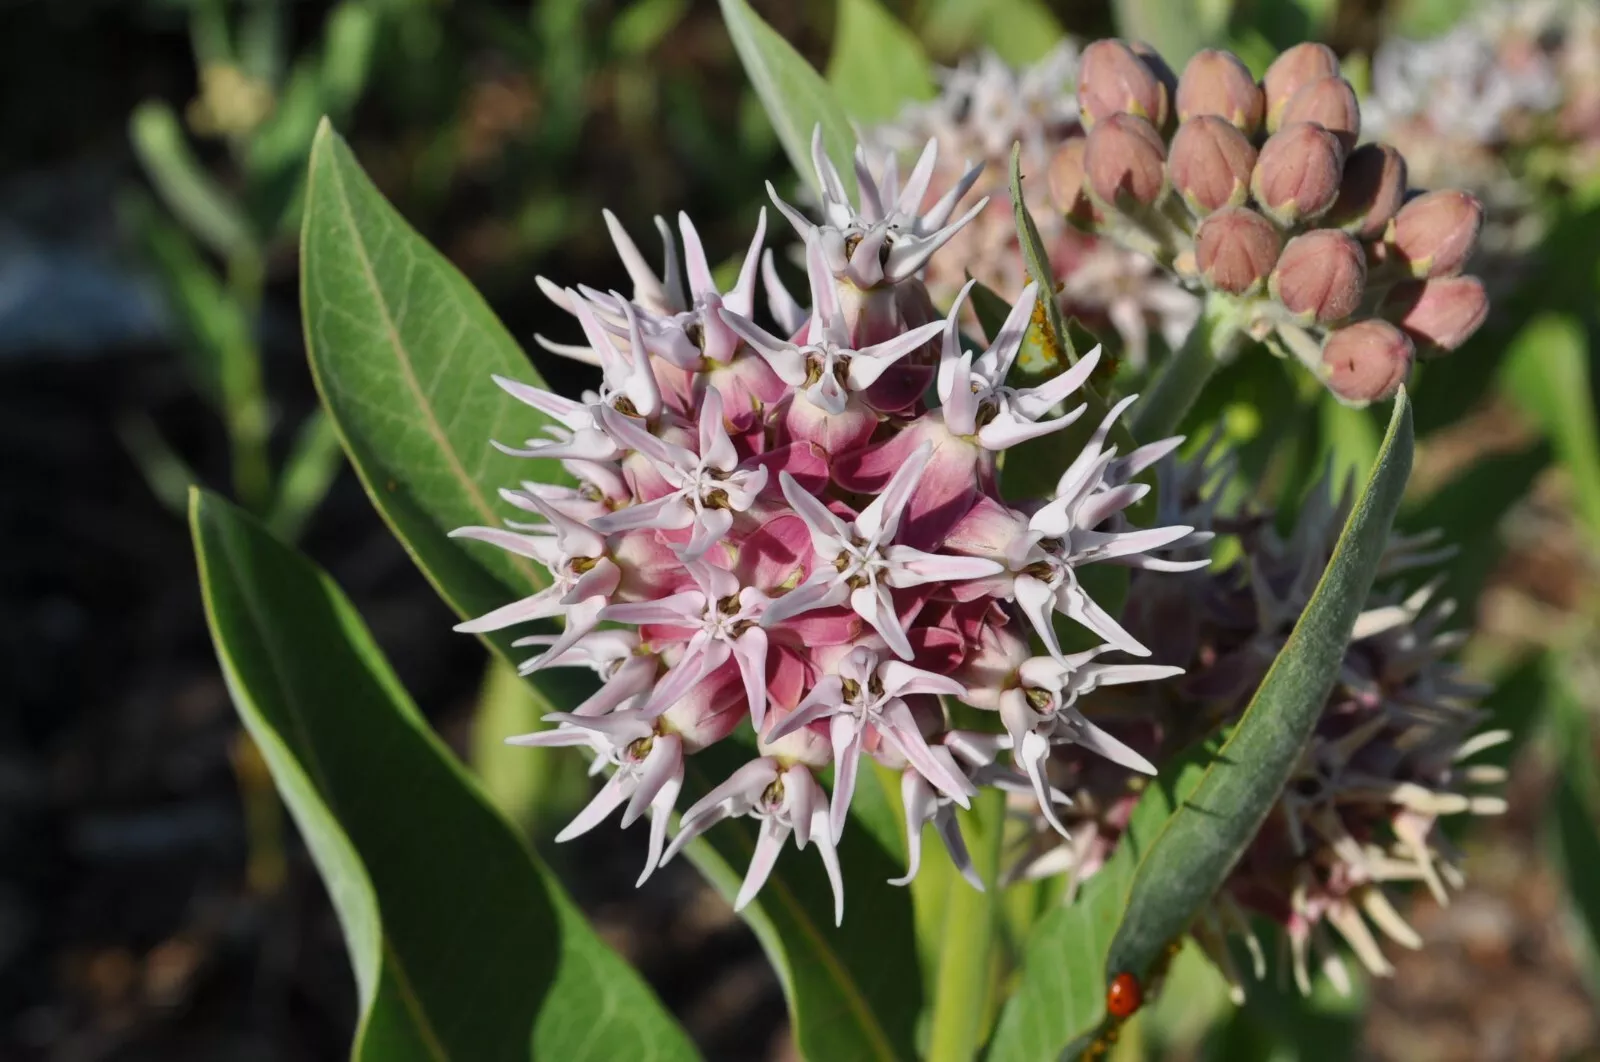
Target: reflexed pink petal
{"type": "Point", "coordinates": [610, 797]}
{"type": "Point", "coordinates": [877, 608]}
{"type": "Point", "coordinates": [769, 844]}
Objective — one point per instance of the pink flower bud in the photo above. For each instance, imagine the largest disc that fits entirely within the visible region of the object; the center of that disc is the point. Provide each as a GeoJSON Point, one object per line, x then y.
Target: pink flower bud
{"type": "Point", "coordinates": [1216, 82]}
{"type": "Point", "coordinates": [1434, 234]}
{"type": "Point", "coordinates": [1331, 103]}
{"type": "Point", "coordinates": [1295, 68]}
{"type": "Point", "coordinates": [1235, 249]}
{"type": "Point", "coordinates": [1320, 276]}
{"type": "Point", "coordinates": [1439, 314]}
{"type": "Point", "coordinates": [1113, 79]}
{"type": "Point", "coordinates": [1373, 187]}
{"type": "Point", "coordinates": [1068, 193]}
{"type": "Point", "coordinates": [1210, 164]}
{"type": "Point", "coordinates": [1366, 361]}
{"type": "Point", "coordinates": [1297, 174]}
{"type": "Point", "coordinates": [1125, 159]}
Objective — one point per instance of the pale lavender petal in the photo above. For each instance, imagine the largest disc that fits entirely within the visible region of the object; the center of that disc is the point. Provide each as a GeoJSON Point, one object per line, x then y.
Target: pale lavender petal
{"type": "Point", "coordinates": [917, 797]}
{"type": "Point", "coordinates": [846, 738]}
{"type": "Point", "coordinates": [828, 532]}
{"type": "Point", "coordinates": [824, 699]}
{"type": "Point", "coordinates": [912, 567]}
{"type": "Point", "coordinates": [879, 521]}
{"type": "Point", "coordinates": [647, 286]}
{"type": "Point", "coordinates": [901, 729]}
{"type": "Point", "coordinates": [873, 604]}
{"type": "Point", "coordinates": [716, 449]}
{"type": "Point", "coordinates": [610, 797]}
{"type": "Point", "coordinates": [903, 680]}
{"type": "Point", "coordinates": [822, 589]}
{"type": "Point", "coordinates": [869, 363]}
{"type": "Point", "coordinates": [950, 832]}
{"type": "Point", "coordinates": [1033, 754]}
{"type": "Point", "coordinates": [676, 610]}
{"type": "Point", "coordinates": [694, 256]}
{"type": "Point", "coordinates": [768, 845]}
{"type": "Point", "coordinates": [916, 186]}
{"type": "Point", "coordinates": [1098, 741]}
{"type": "Point", "coordinates": [780, 304]}
{"type": "Point", "coordinates": [710, 527]}
{"type": "Point", "coordinates": [543, 605]}
{"type": "Point", "coordinates": [742, 299]}
{"type": "Point", "coordinates": [781, 356]}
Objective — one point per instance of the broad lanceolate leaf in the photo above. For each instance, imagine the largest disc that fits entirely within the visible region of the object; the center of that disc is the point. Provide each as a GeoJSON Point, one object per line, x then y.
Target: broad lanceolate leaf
{"type": "Point", "coordinates": [877, 65]}
{"type": "Point", "coordinates": [464, 947]}
{"type": "Point", "coordinates": [795, 96]}
{"type": "Point", "coordinates": [402, 348]}
{"type": "Point", "coordinates": [1189, 859]}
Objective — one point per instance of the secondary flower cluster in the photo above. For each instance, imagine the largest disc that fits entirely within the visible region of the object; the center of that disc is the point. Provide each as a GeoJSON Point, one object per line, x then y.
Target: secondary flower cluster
{"type": "Point", "coordinates": [1504, 103]}
{"type": "Point", "coordinates": [984, 108]}
{"type": "Point", "coordinates": [1385, 763]}
{"type": "Point", "coordinates": [801, 528]}
{"type": "Point", "coordinates": [1260, 194]}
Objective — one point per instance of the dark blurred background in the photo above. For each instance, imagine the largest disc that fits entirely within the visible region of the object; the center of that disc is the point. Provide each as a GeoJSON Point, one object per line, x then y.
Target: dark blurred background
{"type": "Point", "coordinates": [154, 903]}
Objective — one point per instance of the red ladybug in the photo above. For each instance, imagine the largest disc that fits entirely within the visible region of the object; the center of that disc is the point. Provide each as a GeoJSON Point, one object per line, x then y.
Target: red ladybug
{"type": "Point", "coordinates": [1124, 996]}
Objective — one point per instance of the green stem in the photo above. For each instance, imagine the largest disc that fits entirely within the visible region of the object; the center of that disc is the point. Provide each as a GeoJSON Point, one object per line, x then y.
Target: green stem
{"type": "Point", "coordinates": [1160, 410]}
{"type": "Point", "coordinates": [244, 393]}
{"type": "Point", "coordinates": [966, 967]}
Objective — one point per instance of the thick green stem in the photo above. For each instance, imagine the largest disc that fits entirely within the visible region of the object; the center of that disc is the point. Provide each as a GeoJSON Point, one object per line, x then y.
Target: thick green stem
{"type": "Point", "coordinates": [1160, 410]}
{"type": "Point", "coordinates": [966, 954]}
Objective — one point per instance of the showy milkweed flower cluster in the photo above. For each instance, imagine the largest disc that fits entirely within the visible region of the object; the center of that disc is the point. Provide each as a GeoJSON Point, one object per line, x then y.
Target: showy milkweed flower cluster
{"type": "Point", "coordinates": [796, 525]}
{"type": "Point", "coordinates": [1260, 195]}
{"type": "Point", "coordinates": [984, 108]}
{"type": "Point", "coordinates": [1389, 758]}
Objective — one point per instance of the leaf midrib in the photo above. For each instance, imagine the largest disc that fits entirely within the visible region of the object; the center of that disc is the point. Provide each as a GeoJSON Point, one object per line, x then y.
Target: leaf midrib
{"type": "Point", "coordinates": [402, 359]}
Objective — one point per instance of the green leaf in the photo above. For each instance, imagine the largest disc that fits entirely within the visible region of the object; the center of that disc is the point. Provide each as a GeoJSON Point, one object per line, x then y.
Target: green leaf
{"type": "Point", "coordinates": [463, 946]}
{"type": "Point", "coordinates": [184, 185]}
{"type": "Point", "coordinates": [1060, 997]}
{"type": "Point", "coordinates": [1037, 258]}
{"type": "Point", "coordinates": [402, 349]}
{"type": "Point", "coordinates": [1572, 814]}
{"type": "Point", "coordinates": [965, 939]}
{"type": "Point", "coordinates": [1199, 844]}
{"type": "Point", "coordinates": [878, 65]}
{"type": "Point", "coordinates": [1349, 438]}
{"type": "Point", "coordinates": [1546, 372]}
{"type": "Point", "coordinates": [795, 96]}
{"type": "Point", "coordinates": [1175, 28]}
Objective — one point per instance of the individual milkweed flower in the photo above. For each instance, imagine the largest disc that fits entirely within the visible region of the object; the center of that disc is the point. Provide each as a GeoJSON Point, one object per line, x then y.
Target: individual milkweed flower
{"type": "Point", "coordinates": [827, 367]}
{"type": "Point", "coordinates": [709, 486]}
{"type": "Point", "coordinates": [1040, 712]}
{"type": "Point", "coordinates": [866, 698]}
{"type": "Point", "coordinates": [786, 801]}
{"type": "Point", "coordinates": [863, 563]}
{"type": "Point", "coordinates": [890, 236]}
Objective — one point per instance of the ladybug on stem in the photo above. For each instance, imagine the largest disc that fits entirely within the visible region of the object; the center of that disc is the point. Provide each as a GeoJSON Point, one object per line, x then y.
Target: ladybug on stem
{"type": "Point", "coordinates": [1124, 996]}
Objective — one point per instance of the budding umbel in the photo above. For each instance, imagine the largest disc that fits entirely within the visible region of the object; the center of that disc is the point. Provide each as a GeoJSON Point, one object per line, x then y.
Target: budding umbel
{"type": "Point", "coordinates": [1320, 276]}
{"type": "Point", "coordinates": [1210, 164]}
{"type": "Point", "coordinates": [1366, 361]}
{"type": "Point", "coordinates": [1434, 234]}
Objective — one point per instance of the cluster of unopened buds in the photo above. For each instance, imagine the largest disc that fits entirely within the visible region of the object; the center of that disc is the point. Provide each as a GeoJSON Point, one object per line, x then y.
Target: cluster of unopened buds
{"type": "Point", "coordinates": [1261, 195]}
{"type": "Point", "coordinates": [801, 529]}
